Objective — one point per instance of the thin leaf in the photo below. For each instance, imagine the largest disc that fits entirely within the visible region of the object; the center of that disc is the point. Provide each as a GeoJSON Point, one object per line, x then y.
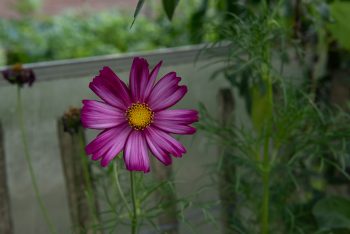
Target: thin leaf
{"type": "Point", "coordinates": [340, 28]}
{"type": "Point", "coordinates": [169, 7]}
{"type": "Point", "coordinates": [332, 213]}
{"type": "Point", "coordinates": [137, 10]}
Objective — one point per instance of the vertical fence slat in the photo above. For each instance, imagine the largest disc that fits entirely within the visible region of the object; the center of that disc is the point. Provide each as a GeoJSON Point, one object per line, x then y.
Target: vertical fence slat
{"type": "Point", "coordinates": [227, 170]}
{"type": "Point", "coordinates": [5, 211]}
{"type": "Point", "coordinates": [71, 151]}
{"type": "Point", "coordinates": [168, 220]}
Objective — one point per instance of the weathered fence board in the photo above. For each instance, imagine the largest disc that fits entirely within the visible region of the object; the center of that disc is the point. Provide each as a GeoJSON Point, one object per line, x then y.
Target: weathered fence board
{"type": "Point", "coordinates": [167, 221]}
{"type": "Point", "coordinates": [5, 211]}
{"type": "Point", "coordinates": [227, 170]}
{"type": "Point", "coordinates": [83, 209]}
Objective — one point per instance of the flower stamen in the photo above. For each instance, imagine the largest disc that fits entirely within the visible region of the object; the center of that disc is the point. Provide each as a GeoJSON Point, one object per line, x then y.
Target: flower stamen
{"type": "Point", "coordinates": [139, 116]}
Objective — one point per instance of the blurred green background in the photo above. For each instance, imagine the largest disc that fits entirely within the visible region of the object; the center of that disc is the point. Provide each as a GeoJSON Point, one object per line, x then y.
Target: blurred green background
{"type": "Point", "coordinates": [31, 35]}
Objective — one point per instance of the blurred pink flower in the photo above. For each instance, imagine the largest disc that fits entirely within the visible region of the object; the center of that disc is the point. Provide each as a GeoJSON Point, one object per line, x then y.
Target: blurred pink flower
{"type": "Point", "coordinates": [19, 75]}
{"type": "Point", "coordinates": [136, 118]}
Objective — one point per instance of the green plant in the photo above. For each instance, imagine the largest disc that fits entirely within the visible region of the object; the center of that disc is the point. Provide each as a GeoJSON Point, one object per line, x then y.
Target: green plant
{"type": "Point", "coordinates": [285, 153]}
{"type": "Point", "coordinates": [75, 35]}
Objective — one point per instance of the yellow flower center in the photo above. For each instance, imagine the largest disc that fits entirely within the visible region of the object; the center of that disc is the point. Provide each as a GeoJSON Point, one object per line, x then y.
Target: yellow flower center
{"type": "Point", "coordinates": [139, 116]}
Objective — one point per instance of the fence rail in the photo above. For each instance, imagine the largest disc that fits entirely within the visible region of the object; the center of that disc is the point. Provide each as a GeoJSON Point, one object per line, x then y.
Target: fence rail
{"type": "Point", "coordinates": [75, 68]}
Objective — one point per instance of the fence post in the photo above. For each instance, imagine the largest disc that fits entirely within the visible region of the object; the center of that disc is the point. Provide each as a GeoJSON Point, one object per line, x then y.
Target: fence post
{"type": "Point", "coordinates": [166, 196]}
{"type": "Point", "coordinates": [227, 171]}
{"type": "Point", "coordinates": [79, 183]}
{"type": "Point", "coordinates": [5, 210]}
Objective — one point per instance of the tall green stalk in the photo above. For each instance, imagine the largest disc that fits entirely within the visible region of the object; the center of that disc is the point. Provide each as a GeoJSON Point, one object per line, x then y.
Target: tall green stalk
{"type": "Point", "coordinates": [266, 185]}
{"type": "Point", "coordinates": [133, 197]}
{"type": "Point", "coordinates": [265, 201]}
{"type": "Point", "coordinates": [119, 189]}
{"type": "Point", "coordinates": [267, 79]}
{"type": "Point", "coordinates": [29, 163]}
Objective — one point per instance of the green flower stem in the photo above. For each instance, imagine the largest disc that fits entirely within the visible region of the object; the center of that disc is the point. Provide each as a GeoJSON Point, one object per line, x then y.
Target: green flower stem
{"type": "Point", "coordinates": [134, 217]}
{"type": "Point", "coordinates": [117, 183]}
{"type": "Point", "coordinates": [265, 204]}
{"type": "Point", "coordinates": [266, 166]}
{"type": "Point", "coordinates": [266, 188]}
{"type": "Point", "coordinates": [29, 163]}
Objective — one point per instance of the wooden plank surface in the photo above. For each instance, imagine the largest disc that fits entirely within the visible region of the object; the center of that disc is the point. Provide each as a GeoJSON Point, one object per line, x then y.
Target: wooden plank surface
{"type": "Point", "coordinates": [5, 210]}
{"type": "Point", "coordinates": [227, 170]}
{"type": "Point", "coordinates": [166, 196]}
{"type": "Point", "coordinates": [85, 67]}
{"type": "Point", "coordinates": [83, 210]}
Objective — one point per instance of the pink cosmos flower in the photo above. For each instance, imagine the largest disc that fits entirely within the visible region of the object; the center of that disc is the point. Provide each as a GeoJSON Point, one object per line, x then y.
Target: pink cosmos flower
{"type": "Point", "coordinates": [19, 75]}
{"type": "Point", "coordinates": [136, 118]}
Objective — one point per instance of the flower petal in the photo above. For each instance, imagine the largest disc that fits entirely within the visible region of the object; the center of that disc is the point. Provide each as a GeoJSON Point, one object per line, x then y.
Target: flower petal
{"type": "Point", "coordinates": [110, 88]}
{"type": "Point", "coordinates": [135, 153]}
{"type": "Point", "coordinates": [138, 78]}
{"type": "Point", "coordinates": [108, 143]}
{"type": "Point", "coordinates": [170, 98]}
{"type": "Point", "coordinates": [165, 141]}
{"type": "Point", "coordinates": [99, 115]}
{"type": "Point", "coordinates": [167, 83]}
{"type": "Point", "coordinates": [178, 116]}
{"type": "Point", "coordinates": [176, 121]}
{"type": "Point", "coordinates": [157, 150]}
{"type": "Point", "coordinates": [152, 79]}
{"type": "Point", "coordinates": [173, 127]}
